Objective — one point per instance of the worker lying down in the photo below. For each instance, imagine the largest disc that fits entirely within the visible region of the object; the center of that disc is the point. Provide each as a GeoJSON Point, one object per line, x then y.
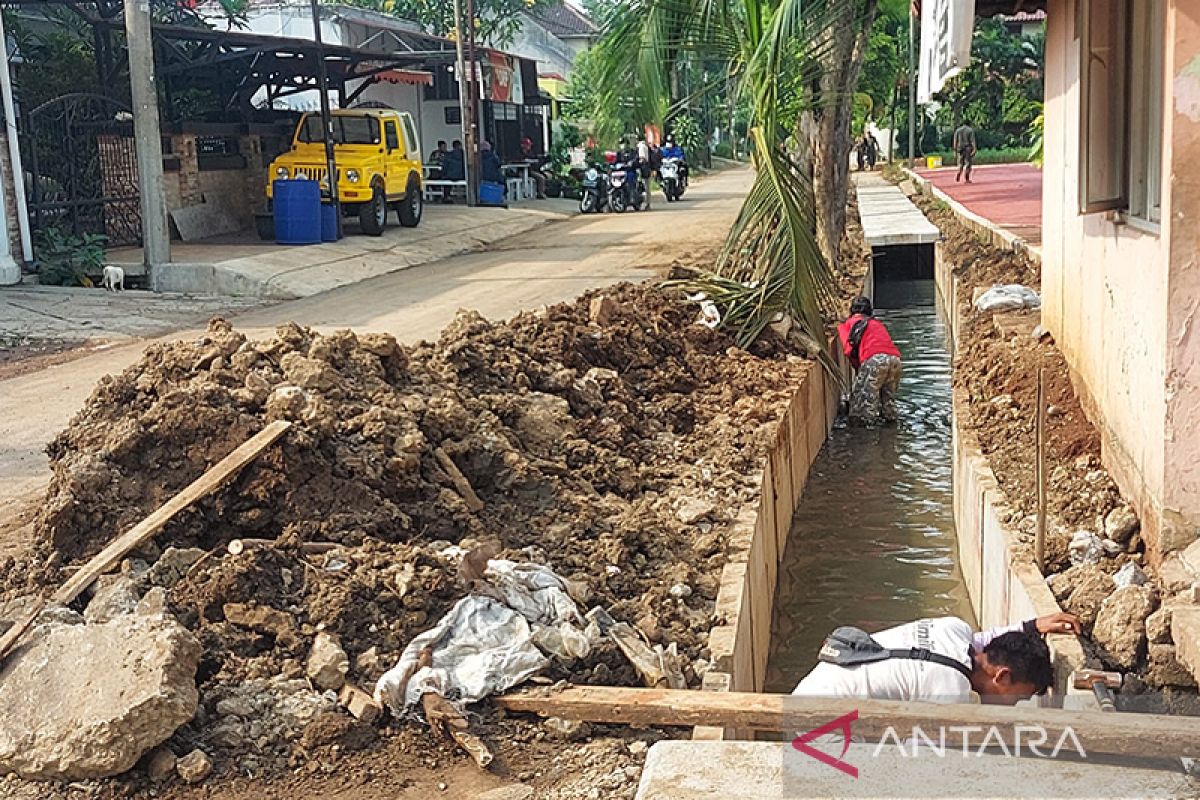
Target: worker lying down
{"type": "Point", "coordinates": [938, 661]}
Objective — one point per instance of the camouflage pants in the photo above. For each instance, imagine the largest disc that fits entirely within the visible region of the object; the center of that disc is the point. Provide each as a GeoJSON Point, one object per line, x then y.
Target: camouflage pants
{"type": "Point", "coordinates": [873, 396]}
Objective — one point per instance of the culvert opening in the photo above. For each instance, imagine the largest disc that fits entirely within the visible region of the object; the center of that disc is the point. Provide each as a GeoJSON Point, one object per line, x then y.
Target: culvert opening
{"type": "Point", "coordinates": [872, 543]}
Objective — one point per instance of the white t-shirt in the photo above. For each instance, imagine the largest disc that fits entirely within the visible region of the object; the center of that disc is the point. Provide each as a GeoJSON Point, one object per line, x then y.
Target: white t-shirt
{"type": "Point", "coordinates": [902, 678]}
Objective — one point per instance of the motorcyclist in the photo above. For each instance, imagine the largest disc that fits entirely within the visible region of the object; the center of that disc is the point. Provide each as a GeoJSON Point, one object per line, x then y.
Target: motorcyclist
{"type": "Point", "coordinates": [630, 158]}
{"type": "Point", "coordinates": [672, 150]}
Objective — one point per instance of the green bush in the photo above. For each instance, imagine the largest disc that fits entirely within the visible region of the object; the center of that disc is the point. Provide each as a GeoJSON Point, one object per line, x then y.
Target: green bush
{"type": "Point", "coordinates": [723, 150]}
{"type": "Point", "coordinates": [67, 259]}
{"type": "Point", "coordinates": [1007, 155]}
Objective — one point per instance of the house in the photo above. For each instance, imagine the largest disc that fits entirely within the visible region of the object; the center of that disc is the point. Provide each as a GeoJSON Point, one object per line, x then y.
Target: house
{"type": "Point", "coordinates": [1120, 249]}
{"type": "Point", "coordinates": [1025, 23]}
{"type": "Point", "coordinates": [554, 35]}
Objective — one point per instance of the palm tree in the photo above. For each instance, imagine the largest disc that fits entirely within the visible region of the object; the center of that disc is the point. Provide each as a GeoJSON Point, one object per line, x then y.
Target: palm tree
{"type": "Point", "coordinates": [787, 59]}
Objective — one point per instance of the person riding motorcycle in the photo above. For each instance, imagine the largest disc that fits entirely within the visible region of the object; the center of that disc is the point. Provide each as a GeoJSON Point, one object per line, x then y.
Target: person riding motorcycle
{"type": "Point", "coordinates": [672, 150]}
{"type": "Point", "coordinates": [630, 157]}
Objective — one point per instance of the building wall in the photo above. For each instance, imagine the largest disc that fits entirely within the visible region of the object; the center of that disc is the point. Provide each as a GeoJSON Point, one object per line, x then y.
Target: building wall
{"type": "Point", "coordinates": [534, 42]}
{"type": "Point", "coordinates": [1105, 290]}
{"type": "Point", "coordinates": [1182, 496]}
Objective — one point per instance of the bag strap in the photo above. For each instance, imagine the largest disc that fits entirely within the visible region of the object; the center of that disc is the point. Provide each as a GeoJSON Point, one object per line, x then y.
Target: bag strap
{"type": "Point", "coordinates": [856, 336]}
{"type": "Point", "coordinates": [924, 654]}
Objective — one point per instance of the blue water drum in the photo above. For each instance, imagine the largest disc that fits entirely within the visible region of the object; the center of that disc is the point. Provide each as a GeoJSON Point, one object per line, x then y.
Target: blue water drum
{"type": "Point", "coordinates": [329, 223]}
{"type": "Point", "coordinates": [297, 207]}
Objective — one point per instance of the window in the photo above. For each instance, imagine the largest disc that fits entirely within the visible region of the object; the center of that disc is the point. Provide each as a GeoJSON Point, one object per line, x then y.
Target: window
{"type": "Point", "coordinates": [410, 135]}
{"type": "Point", "coordinates": [393, 138]}
{"type": "Point", "coordinates": [346, 130]}
{"type": "Point", "coordinates": [1121, 54]}
{"type": "Point", "coordinates": [453, 115]}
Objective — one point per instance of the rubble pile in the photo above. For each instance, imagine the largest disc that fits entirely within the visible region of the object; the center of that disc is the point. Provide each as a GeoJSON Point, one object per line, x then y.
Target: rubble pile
{"type": "Point", "coordinates": [611, 441]}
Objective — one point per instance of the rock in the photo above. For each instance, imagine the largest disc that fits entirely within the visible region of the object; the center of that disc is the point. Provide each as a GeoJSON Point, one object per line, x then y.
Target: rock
{"type": "Point", "coordinates": [680, 591]}
{"type": "Point", "coordinates": [1092, 587]}
{"type": "Point", "coordinates": [194, 767]}
{"type": "Point", "coordinates": [515, 792]}
{"type": "Point", "coordinates": [160, 764]}
{"type": "Point", "coordinates": [286, 402]}
{"type": "Point", "coordinates": [79, 702]}
{"type": "Point", "coordinates": [1129, 575]}
{"type": "Point", "coordinates": [567, 730]}
{"type": "Point", "coordinates": [601, 310]}
{"type": "Point", "coordinates": [308, 373]}
{"type": "Point", "coordinates": [327, 662]}
{"type": "Point", "coordinates": [1164, 668]}
{"type": "Point", "coordinates": [1120, 627]}
{"type": "Point", "coordinates": [1158, 626]}
{"type": "Point", "coordinates": [368, 660]}
{"type": "Point", "coordinates": [1120, 524]}
{"type": "Point", "coordinates": [114, 595]}
{"type": "Point", "coordinates": [637, 747]}
{"type": "Point", "coordinates": [694, 509]}
{"type": "Point", "coordinates": [173, 565]}
{"type": "Point", "coordinates": [263, 619]}
{"type": "Point", "coordinates": [153, 603]}
{"type": "Point", "coordinates": [544, 420]}
{"type": "Point", "coordinates": [1085, 548]}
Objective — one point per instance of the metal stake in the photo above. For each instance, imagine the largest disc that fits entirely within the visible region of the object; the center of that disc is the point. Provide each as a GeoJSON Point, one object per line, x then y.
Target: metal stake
{"type": "Point", "coordinates": [1039, 546]}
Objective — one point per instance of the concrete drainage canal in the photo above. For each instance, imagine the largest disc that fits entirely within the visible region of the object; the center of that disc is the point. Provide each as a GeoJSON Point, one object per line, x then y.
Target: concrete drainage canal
{"type": "Point", "coordinates": [873, 542]}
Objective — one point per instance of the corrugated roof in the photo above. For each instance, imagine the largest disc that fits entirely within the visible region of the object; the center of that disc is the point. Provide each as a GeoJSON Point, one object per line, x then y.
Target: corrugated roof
{"type": "Point", "coordinates": [1025, 16]}
{"type": "Point", "coordinates": [561, 19]}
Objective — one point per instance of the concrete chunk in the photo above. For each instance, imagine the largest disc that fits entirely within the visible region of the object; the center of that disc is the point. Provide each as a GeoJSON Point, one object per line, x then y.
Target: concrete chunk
{"type": "Point", "coordinates": [79, 702]}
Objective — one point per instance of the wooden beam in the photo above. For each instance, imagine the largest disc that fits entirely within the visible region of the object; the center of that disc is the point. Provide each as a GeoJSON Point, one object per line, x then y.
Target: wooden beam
{"type": "Point", "coordinates": [212, 480]}
{"type": "Point", "coordinates": [1139, 735]}
{"type": "Point", "coordinates": [461, 484]}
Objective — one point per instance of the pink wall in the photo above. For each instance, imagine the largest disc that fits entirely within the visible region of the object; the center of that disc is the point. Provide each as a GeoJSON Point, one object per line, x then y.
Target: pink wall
{"type": "Point", "coordinates": [1181, 499]}
{"type": "Point", "coordinates": [1106, 293]}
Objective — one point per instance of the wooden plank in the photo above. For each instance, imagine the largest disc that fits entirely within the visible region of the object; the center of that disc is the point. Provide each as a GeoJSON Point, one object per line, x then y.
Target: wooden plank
{"type": "Point", "coordinates": [214, 478]}
{"type": "Point", "coordinates": [1137, 735]}
{"type": "Point", "coordinates": [461, 484]}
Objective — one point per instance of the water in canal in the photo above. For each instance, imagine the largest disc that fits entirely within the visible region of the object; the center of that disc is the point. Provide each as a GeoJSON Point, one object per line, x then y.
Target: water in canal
{"type": "Point", "coordinates": [872, 543]}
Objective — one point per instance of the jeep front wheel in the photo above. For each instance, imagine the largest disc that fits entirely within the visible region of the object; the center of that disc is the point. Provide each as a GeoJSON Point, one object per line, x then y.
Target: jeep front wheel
{"type": "Point", "coordinates": [372, 215]}
{"type": "Point", "coordinates": [409, 209]}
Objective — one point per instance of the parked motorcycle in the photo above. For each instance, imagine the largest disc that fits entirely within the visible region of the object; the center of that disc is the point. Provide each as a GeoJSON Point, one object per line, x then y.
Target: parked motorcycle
{"type": "Point", "coordinates": [672, 174]}
{"type": "Point", "coordinates": [626, 188]}
{"type": "Point", "coordinates": [594, 196]}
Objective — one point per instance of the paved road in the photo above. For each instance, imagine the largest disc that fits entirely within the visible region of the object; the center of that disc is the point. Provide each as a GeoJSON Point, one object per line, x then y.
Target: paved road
{"type": "Point", "coordinates": [1009, 195]}
{"type": "Point", "coordinates": [553, 263]}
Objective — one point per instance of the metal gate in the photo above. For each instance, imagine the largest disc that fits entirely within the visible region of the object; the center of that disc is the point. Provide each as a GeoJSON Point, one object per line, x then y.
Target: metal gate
{"type": "Point", "coordinates": [82, 168]}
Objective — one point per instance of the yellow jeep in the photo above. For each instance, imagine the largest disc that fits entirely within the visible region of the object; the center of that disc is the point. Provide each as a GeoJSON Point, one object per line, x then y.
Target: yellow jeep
{"type": "Point", "coordinates": [378, 160]}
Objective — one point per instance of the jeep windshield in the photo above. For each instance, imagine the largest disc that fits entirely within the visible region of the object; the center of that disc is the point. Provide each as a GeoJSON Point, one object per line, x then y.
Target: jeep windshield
{"type": "Point", "coordinates": [346, 130]}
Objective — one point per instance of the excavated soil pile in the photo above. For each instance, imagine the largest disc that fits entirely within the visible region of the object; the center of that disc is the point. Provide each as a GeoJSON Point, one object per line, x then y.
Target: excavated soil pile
{"type": "Point", "coordinates": [996, 366]}
{"type": "Point", "coordinates": [610, 438]}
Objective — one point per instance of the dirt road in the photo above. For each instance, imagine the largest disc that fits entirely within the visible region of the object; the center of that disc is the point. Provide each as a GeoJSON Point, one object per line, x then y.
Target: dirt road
{"type": "Point", "coordinates": [548, 265]}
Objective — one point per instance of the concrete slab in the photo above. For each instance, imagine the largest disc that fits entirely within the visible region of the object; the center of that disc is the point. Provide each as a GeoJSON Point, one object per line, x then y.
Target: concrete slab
{"type": "Point", "coordinates": [683, 770]}
{"type": "Point", "coordinates": [888, 217]}
{"type": "Point", "coordinates": [241, 265]}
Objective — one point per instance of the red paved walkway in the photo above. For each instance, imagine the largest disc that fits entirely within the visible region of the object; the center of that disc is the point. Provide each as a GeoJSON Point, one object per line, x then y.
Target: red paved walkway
{"type": "Point", "coordinates": [1009, 195]}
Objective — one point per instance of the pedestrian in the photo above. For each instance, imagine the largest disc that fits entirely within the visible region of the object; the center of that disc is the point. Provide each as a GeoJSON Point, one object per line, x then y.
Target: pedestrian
{"type": "Point", "coordinates": [860, 150]}
{"type": "Point", "coordinates": [964, 148]}
{"type": "Point", "coordinates": [872, 150]}
{"type": "Point", "coordinates": [454, 167]}
{"type": "Point", "coordinates": [938, 661]}
{"type": "Point", "coordinates": [876, 361]}
{"type": "Point", "coordinates": [534, 161]}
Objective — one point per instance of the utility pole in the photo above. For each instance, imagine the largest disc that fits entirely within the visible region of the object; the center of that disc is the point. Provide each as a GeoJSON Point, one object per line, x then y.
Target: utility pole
{"type": "Point", "coordinates": [912, 88]}
{"type": "Point", "coordinates": [156, 240]}
{"type": "Point", "coordinates": [473, 129]}
{"type": "Point", "coordinates": [465, 77]}
{"type": "Point", "coordinates": [327, 117]}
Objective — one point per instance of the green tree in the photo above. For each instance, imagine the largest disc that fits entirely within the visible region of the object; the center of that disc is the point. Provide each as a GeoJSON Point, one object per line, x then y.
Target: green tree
{"type": "Point", "coordinates": [784, 59]}
{"type": "Point", "coordinates": [1000, 93]}
{"type": "Point", "coordinates": [496, 21]}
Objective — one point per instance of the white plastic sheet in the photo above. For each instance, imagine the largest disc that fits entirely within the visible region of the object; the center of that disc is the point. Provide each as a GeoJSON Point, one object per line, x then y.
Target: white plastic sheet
{"type": "Point", "coordinates": [490, 640]}
{"type": "Point", "coordinates": [1011, 297]}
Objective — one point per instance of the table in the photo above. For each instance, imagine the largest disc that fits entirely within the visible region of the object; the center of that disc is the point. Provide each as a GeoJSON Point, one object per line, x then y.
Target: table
{"type": "Point", "coordinates": [527, 190]}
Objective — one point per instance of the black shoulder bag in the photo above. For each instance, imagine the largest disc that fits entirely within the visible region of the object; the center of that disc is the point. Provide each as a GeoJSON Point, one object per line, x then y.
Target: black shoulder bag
{"type": "Point", "coordinates": [856, 335]}
{"type": "Point", "coordinates": [848, 646]}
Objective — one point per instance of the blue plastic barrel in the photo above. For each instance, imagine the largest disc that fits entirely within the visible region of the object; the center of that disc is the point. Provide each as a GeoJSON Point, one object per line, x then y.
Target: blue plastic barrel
{"type": "Point", "coordinates": [329, 223]}
{"type": "Point", "coordinates": [297, 206]}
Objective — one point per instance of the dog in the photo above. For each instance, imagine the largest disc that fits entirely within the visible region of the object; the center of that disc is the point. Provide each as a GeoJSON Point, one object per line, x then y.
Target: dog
{"type": "Point", "coordinates": [114, 279]}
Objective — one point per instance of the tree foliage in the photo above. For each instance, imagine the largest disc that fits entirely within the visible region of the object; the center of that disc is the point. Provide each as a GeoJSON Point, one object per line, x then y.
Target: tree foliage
{"type": "Point", "coordinates": [496, 21]}
{"type": "Point", "coordinates": [782, 59]}
{"type": "Point", "coordinates": [1000, 93]}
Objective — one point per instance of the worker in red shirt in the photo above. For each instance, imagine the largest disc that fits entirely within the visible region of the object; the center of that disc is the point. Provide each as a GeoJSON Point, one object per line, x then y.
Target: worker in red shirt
{"type": "Point", "coordinates": [876, 362]}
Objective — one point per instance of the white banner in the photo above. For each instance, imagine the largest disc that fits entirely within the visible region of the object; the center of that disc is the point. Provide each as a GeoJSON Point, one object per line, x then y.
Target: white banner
{"type": "Point", "coordinates": [946, 28]}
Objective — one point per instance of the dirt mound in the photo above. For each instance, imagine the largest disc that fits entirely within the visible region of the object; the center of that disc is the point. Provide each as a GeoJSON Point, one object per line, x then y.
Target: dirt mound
{"type": "Point", "coordinates": [613, 453]}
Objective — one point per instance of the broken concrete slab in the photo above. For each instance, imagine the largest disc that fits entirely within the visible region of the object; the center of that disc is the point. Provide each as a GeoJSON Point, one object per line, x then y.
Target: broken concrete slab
{"type": "Point", "coordinates": [114, 596]}
{"type": "Point", "coordinates": [87, 701]}
{"type": "Point", "coordinates": [1121, 624]}
{"type": "Point", "coordinates": [1185, 632]}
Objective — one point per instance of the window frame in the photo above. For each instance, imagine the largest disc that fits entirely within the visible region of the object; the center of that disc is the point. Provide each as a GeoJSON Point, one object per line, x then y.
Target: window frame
{"type": "Point", "coordinates": [1088, 202]}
